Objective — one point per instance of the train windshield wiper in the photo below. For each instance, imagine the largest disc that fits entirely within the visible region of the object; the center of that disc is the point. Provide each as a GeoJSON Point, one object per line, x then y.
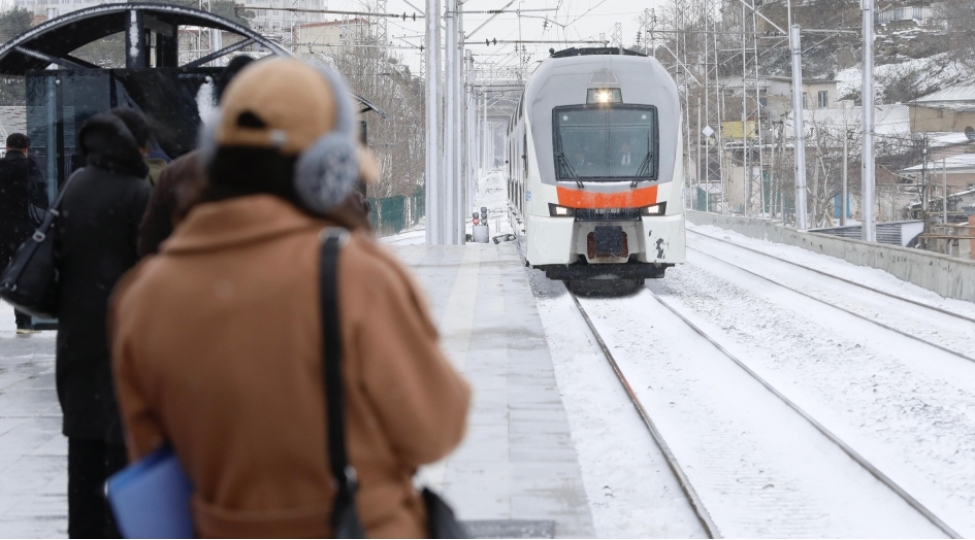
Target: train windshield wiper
{"type": "Point", "coordinates": [644, 170]}
{"type": "Point", "coordinates": [566, 170]}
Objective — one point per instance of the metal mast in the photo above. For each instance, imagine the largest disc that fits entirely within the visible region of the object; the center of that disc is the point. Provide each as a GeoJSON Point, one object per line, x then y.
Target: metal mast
{"type": "Point", "coordinates": [382, 38]}
{"type": "Point", "coordinates": [434, 179]}
{"type": "Point", "coordinates": [868, 206]}
{"type": "Point", "coordinates": [758, 114]}
{"type": "Point", "coordinates": [451, 122]}
{"type": "Point", "coordinates": [802, 217]}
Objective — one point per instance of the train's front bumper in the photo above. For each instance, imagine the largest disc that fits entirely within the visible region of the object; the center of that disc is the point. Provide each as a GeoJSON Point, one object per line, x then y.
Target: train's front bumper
{"type": "Point", "coordinates": [558, 240]}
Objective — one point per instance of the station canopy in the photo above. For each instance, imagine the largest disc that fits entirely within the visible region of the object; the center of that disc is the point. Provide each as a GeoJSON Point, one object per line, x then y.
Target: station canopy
{"type": "Point", "coordinates": [52, 42]}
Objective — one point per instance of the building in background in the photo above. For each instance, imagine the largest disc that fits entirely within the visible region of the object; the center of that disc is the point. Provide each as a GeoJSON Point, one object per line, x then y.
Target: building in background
{"type": "Point", "coordinates": [329, 37]}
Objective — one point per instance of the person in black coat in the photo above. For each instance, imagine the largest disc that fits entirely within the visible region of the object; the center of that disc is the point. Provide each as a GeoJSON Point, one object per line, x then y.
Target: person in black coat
{"type": "Point", "coordinates": [96, 243]}
{"type": "Point", "coordinates": [21, 186]}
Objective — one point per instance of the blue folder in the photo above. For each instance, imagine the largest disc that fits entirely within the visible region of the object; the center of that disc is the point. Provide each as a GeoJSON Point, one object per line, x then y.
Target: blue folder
{"type": "Point", "coordinates": [151, 498]}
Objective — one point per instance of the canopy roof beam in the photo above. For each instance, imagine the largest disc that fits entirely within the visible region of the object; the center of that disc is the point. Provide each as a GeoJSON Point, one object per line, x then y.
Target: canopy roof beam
{"type": "Point", "coordinates": [222, 52]}
{"type": "Point", "coordinates": [63, 62]}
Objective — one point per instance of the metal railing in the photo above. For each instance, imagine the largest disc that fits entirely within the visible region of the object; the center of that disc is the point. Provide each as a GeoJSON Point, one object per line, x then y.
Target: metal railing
{"type": "Point", "coordinates": [392, 215]}
{"type": "Point", "coordinates": [955, 240]}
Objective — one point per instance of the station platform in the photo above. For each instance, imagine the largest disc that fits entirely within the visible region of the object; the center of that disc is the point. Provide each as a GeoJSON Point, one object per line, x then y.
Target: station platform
{"type": "Point", "coordinates": [33, 453]}
{"type": "Point", "coordinates": [517, 472]}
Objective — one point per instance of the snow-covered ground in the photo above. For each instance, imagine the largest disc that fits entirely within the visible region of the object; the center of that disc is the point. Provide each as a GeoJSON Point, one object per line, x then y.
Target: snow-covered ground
{"type": "Point", "coordinates": [491, 193]}
{"type": "Point", "coordinates": [632, 493]}
{"type": "Point", "coordinates": [33, 453]}
{"type": "Point", "coordinates": [907, 407]}
{"type": "Point", "coordinates": [760, 468]}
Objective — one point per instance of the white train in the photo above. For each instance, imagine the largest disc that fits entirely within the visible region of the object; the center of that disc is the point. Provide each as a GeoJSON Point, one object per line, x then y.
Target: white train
{"type": "Point", "coordinates": [595, 168]}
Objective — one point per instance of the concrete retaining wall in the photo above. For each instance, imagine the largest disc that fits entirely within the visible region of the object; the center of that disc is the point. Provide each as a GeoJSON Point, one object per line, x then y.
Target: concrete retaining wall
{"type": "Point", "coordinates": [947, 276]}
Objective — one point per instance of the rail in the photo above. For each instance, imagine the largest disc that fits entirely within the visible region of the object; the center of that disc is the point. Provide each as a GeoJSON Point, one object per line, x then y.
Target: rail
{"type": "Point", "coordinates": [696, 503]}
{"type": "Point", "coordinates": [846, 448]}
{"type": "Point", "coordinates": [850, 312]}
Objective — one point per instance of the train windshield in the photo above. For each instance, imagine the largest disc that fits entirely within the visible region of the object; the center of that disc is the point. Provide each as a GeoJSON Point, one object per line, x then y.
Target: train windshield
{"type": "Point", "coordinates": [608, 143]}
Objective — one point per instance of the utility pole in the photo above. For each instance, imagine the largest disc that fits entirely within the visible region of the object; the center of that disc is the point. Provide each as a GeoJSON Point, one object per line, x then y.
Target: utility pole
{"type": "Point", "coordinates": [944, 192]}
{"type": "Point", "coordinates": [434, 179]}
{"type": "Point", "coordinates": [846, 149]}
{"type": "Point", "coordinates": [869, 229]}
{"type": "Point", "coordinates": [697, 169]}
{"type": "Point", "coordinates": [745, 170]}
{"type": "Point", "coordinates": [802, 216]}
{"type": "Point", "coordinates": [459, 208]}
{"type": "Point", "coordinates": [924, 183]}
{"type": "Point", "coordinates": [451, 134]}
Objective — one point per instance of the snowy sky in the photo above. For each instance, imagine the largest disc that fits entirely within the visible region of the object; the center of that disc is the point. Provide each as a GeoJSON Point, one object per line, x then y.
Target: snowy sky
{"type": "Point", "coordinates": [584, 20]}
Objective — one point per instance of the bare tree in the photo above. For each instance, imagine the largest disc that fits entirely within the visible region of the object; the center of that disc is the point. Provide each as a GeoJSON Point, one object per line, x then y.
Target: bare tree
{"type": "Point", "coordinates": [398, 140]}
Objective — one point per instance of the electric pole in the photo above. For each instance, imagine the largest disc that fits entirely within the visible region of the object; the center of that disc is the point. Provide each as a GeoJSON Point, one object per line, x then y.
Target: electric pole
{"type": "Point", "coordinates": [434, 179]}
{"type": "Point", "coordinates": [869, 230]}
{"type": "Point", "coordinates": [802, 217]}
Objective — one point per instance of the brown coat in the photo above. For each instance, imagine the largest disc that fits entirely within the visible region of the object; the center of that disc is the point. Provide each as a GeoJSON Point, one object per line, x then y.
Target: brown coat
{"type": "Point", "coordinates": [217, 349]}
{"type": "Point", "coordinates": [177, 185]}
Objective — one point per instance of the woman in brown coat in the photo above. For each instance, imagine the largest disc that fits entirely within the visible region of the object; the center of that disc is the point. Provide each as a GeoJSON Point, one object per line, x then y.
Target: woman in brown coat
{"type": "Point", "coordinates": [217, 344]}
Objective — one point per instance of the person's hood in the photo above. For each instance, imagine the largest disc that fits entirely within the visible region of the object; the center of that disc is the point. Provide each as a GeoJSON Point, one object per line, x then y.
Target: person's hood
{"type": "Point", "coordinates": [105, 142]}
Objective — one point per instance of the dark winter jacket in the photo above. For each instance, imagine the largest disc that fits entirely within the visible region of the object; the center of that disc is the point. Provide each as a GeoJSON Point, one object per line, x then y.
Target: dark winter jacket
{"type": "Point", "coordinates": [21, 184]}
{"type": "Point", "coordinates": [96, 242]}
{"type": "Point", "coordinates": [181, 181]}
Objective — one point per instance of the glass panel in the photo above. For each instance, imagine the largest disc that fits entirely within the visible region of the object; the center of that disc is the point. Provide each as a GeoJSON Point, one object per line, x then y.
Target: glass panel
{"type": "Point", "coordinates": [605, 143]}
{"type": "Point", "coordinates": [60, 101]}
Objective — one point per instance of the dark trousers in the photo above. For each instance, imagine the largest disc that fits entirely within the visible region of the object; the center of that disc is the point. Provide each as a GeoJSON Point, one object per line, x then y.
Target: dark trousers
{"type": "Point", "coordinates": [23, 319]}
{"type": "Point", "coordinates": [90, 463]}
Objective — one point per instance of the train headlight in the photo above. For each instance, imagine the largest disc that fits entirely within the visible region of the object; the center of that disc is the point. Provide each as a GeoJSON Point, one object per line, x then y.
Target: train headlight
{"type": "Point", "coordinates": [555, 210]}
{"type": "Point", "coordinates": [655, 210]}
{"type": "Point", "coordinates": [604, 95]}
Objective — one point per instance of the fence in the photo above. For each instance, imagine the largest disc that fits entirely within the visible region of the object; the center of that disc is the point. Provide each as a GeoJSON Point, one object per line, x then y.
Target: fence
{"type": "Point", "coordinates": [391, 215]}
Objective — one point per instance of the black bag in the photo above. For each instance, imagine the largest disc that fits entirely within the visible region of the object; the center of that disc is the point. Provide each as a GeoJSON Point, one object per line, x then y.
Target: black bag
{"type": "Point", "coordinates": [345, 517]}
{"type": "Point", "coordinates": [30, 282]}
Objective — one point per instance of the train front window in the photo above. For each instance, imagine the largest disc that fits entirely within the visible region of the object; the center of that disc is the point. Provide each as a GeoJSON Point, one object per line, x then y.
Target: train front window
{"type": "Point", "coordinates": [605, 143]}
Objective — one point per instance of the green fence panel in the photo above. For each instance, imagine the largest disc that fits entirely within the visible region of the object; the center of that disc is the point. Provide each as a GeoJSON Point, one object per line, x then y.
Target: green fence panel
{"type": "Point", "coordinates": [391, 215]}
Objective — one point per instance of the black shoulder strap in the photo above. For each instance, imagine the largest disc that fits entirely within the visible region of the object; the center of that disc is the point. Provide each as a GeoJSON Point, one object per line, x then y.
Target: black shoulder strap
{"type": "Point", "coordinates": [54, 211]}
{"type": "Point", "coordinates": [332, 241]}
{"type": "Point", "coordinates": [345, 517]}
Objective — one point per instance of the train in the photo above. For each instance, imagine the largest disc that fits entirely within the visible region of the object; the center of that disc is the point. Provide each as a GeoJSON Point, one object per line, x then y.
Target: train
{"type": "Point", "coordinates": [595, 168]}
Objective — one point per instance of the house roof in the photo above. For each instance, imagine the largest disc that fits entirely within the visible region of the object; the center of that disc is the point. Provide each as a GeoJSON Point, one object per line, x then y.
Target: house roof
{"type": "Point", "coordinates": [349, 22]}
{"type": "Point", "coordinates": [805, 80]}
{"type": "Point", "coordinates": [962, 163]}
{"type": "Point", "coordinates": [888, 119]}
{"type": "Point", "coordinates": [963, 93]}
{"type": "Point", "coordinates": [959, 195]}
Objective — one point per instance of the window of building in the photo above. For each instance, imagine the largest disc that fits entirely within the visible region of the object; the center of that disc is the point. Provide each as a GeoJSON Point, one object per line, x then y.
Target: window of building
{"type": "Point", "coordinates": [823, 99]}
{"type": "Point", "coordinates": [805, 100]}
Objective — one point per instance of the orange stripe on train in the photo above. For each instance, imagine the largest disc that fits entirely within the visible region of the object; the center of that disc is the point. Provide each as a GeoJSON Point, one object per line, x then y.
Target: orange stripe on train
{"type": "Point", "coordinates": [633, 198]}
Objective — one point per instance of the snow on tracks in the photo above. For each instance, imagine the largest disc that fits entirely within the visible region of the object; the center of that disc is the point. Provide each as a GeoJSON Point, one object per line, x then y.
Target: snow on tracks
{"type": "Point", "coordinates": [759, 467]}
{"type": "Point", "coordinates": [908, 408]}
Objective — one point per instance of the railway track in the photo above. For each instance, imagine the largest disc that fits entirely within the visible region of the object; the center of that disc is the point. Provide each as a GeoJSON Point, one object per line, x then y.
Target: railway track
{"type": "Point", "coordinates": [861, 316]}
{"type": "Point", "coordinates": [695, 501]}
{"type": "Point", "coordinates": [837, 278]}
{"type": "Point", "coordinates": [688, 489]}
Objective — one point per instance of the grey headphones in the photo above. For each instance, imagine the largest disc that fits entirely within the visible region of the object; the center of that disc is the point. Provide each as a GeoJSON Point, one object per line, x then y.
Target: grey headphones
{"type": "Point", "coordinates": [325, 172]}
